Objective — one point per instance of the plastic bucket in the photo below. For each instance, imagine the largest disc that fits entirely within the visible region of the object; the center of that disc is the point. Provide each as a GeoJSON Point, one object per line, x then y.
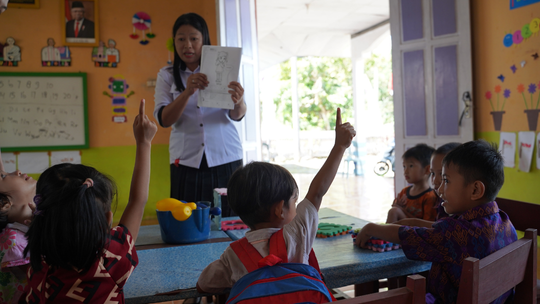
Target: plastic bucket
{"type": "Point", "coordinates": [195, 229]}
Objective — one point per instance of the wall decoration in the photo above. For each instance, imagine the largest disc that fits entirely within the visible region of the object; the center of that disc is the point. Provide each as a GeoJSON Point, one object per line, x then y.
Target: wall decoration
{"type": "Point", "coordinates": [141, 21]}
{"type": "Point", "coordinates": [501, 77]}
{"type": "Point", "coordinates": [170, 48]}
{"type": "Point", "coordinates": [497, 112]}
{"type": "Point", "coordinates": [80, 22]}
{"type": "Point", "coordinates": [526, 147]}
{"type": "Point", "coordinates": [10, 161]}
{"type": "Point", "coordinates": [523, 63]}
{"type": "Point", "coordinates": [532, 112]}
{"type": "Point", "coordinates": [507, 146]}
{"type": "Point", "coordinates": [10, 54]}
{"type": "Point", "coordinates": [23, 4]}
{"type": "Point", "coordinates": [118, 89]}
{"type": "Point", "coordinates": [55, 56]}
{"type": "Point", "coordinates": [513, 68]}
{"type": "Point", "coordinates": [521, 3]}
{"type": "Point", "coordinates": [535, 56]}
{"type": "Point", "coordinates": [106, 56]}
{"type": "Point", "coordinates": [538, 151]}
{"type": "Point", "coordinates": [527, 30]}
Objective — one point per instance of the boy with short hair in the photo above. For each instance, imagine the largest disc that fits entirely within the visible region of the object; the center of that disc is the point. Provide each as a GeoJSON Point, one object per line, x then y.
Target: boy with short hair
{"type": "Point", "coordinates": [472, 176]}
{"type": "Point", "coordinates": [418, 200]}
{"type": "Point", "coordinates": [264, 196]}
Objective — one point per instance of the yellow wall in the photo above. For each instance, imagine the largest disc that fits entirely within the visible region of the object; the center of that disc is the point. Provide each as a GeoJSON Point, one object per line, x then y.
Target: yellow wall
{"type": "Point", "coordinates": [491, 21]}
{"type": "Point", "coordinates": [111, 144]}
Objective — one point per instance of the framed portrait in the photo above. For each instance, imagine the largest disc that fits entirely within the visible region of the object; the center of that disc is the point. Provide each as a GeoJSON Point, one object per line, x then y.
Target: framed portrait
{"type": "Point", "coordinates": [24, 3]}
{"type": "Point", "coordinates": [80, 22]}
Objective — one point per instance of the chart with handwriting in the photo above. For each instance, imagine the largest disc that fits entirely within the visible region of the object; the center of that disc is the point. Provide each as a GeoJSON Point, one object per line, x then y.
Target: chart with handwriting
{"type": "Point", "coordinates": [43, 111]}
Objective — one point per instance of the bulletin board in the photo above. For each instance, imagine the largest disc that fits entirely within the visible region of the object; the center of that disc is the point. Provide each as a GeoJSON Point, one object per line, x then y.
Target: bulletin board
{"type": "Point", "coordinates": [43, 111]}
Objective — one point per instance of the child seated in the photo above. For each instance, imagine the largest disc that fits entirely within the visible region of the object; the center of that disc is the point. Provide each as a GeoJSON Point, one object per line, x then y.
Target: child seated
{"type": "Point", "coordinates": [264, 196]}
{"type": "Point", "coordinates": [17, 191]}
{"type": "Point", "coordinates": [418, 200]}
{"type": "Point", "coordinates": [436, 180]}
{"type": "Point", "coordinates": [75, 255]}
{"type": "Point", "coordinates": [472, 176]}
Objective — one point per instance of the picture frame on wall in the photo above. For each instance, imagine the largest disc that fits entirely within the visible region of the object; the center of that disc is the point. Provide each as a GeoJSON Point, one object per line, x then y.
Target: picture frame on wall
{"type": "Point", "coordinates": [80, 22]}
{"type": "Point", "coordinates": [23, 4]}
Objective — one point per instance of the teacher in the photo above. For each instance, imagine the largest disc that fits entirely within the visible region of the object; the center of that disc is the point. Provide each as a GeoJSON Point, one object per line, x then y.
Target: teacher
{"type": "Point", "coordinates": [204, 146]}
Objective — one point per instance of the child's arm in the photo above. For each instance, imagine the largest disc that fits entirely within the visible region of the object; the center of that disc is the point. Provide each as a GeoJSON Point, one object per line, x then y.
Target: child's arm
{"type": "Point", "coordinates": [322, 181]}
{"type": "Point", "coordinates": [144, 130]}
{"type": "Point", "coordinates": [415, 222]}
{"type": "Point", "coordinates": [388, 232]}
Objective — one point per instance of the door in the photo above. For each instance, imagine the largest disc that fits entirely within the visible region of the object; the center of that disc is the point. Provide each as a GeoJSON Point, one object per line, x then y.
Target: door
{"type": "Point", "coordinates": [237, 28]}
{"type": "Point", "coordinates": [431, 54]}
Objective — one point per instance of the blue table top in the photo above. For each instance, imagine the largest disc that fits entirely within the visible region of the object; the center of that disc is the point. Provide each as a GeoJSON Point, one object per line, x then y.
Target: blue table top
{"type": "Point", "coordinates": [151, 235]}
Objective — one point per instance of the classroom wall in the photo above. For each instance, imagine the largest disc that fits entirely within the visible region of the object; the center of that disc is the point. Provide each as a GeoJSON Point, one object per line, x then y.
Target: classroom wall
{"type": "Point", "coordinates": [112, 146]}
{"type": "Point", "coordinates": [491, 21]}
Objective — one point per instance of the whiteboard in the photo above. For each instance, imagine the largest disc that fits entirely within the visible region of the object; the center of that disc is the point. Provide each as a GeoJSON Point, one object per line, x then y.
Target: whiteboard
{"type": "Point", "coordinates": [43, 111]}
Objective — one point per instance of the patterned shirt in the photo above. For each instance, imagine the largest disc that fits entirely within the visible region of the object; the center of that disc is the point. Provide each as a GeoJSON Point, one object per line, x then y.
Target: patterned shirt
{"type": "Point", "coordinates": [12, 244]}
{"type": "Point", "coordinates": [478, 232]}
{"type": "Point", "coordinates": [102, 283]}
{"type": "Point", "coordinates": [422, 206]}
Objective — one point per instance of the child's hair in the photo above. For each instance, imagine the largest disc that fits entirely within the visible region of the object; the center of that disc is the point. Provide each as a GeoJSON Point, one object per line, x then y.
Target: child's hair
{"type": "Point", "coordinates": [479, 160]}
{"type": "Point", "coordinates": [4, 199]}
{"type": "Point", "coordinates": [70, 228]}
{"type": "Point", "coordinates": [420, 152]}
{"type": "Point", "coordinates": [444, 149]}
{"type": "Point", "coordinates": [256, 187]}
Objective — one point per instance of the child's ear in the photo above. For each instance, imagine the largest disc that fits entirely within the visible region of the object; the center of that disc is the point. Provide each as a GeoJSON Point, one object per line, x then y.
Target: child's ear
{"type": "Point", "coordinates": [109, 216]}
{"type": "Point", "coordinates": [6, 206]}
{"type": "Point", "coordinates": [278, 209]}
{"type": "Point", "coordinates": [478, 189]}
{"type": "Point", "coordinates": [427, 170]}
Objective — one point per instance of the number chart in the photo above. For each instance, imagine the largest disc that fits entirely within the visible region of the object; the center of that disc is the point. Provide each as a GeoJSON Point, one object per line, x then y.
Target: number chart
{"type": "Point", "coordinates": [43, 111]}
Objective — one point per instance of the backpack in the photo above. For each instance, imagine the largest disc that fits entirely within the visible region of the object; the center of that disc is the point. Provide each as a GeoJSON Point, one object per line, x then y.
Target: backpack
{"type": "Point", "coordinates": [273, 280]}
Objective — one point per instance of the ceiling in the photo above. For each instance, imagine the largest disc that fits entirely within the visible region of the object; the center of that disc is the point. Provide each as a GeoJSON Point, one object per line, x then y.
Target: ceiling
{"type": "Point", "coordinates": [288, 28]}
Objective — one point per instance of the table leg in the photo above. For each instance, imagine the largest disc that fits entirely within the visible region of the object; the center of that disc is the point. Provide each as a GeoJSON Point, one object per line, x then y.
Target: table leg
{"type": "Point", "coordinates": [397, 282]}
{"type": "Point", "coordinates": [366, 288]}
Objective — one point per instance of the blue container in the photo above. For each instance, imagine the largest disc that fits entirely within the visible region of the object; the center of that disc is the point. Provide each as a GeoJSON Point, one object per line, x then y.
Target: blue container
{"type": "Point", "coordinates": [195, 229]}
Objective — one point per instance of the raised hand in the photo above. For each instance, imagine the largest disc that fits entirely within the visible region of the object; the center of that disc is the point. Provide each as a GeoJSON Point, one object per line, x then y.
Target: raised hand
{"type": "Point", "coordinates": [143, 128]}
{"type": "Point", "coordinates": [344, 132]}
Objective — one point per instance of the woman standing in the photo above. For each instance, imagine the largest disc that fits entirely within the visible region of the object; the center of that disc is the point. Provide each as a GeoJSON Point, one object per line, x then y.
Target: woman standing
{"type": "Point", "coordinates": [204, 146]}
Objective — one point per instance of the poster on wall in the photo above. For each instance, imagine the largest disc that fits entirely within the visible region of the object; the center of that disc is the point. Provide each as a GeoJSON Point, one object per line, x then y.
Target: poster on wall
{"type": "Point", "coordinates": [538, 151]}
{"type": "Point", "coordinates": [10, 161]}
{"type": "Point", "coordinates": [526, 148]}
{"type": "Point", "coordinates": [521, 3]}
{"type": "Point", "coordinates": [507, 146]}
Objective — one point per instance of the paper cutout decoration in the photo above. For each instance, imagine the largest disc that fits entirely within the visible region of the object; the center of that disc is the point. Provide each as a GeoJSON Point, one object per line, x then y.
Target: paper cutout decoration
{"type": "Point", "coordinates": [528, 30]}
{"type": "Point", "coordinates": [497, 112]}
{"type": "Point", "coordinates": [513, 68]}
{"type": "Point", "coordinates": [118, 88]}
{"type": "Point", "coordinates": [526, 147]}
{"type": "Point", "coordinates": [532, 111]}
{"type": "Point", "coordinates": [10, 54]}
{"type": "Point", "coordinates": [521, 3]}
{"type": "Point", "coordinates": [62, 157]}
{"type": "Point", "coordinates": [501, 77]}
{"type": "Point", "coordinates": [33, 162]}
{"type": "Point", "coordinates": [535, 56]}
{"type": "Point", "coordinates": [55, 56]}
{"type": "Point", "coordinates": [523, 63]}
{"type": "Point", "coordinates": [106, 56]}
{"type": "Point", "coordinates": [507, 147]}
{"type": "Point", "coordinates": [170, 48]}
{"type": "Point", "coordinates": [10, 161]}
{"type": "Point", "coordinates": [141, 21]}
{"type": "Point", "coordinates": [538, 151]}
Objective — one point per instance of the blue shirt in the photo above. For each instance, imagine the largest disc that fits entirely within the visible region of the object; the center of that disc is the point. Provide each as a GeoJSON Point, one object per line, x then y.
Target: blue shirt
{"type": "Point", "coordinates": [198, 130]}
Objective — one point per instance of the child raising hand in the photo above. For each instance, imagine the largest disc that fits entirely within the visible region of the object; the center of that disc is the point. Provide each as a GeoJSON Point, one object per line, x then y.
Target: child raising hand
{"type": "Point", "coordinates": [75, 256]}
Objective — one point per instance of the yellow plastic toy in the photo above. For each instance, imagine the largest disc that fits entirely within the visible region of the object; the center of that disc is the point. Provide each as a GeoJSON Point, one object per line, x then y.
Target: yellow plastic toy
{"type": "Point", "coordinates": [192, 205]}
{"type": "Point", "coordinates": [182, 213]}
{"type": "Point", "coordinates": [168, 204]}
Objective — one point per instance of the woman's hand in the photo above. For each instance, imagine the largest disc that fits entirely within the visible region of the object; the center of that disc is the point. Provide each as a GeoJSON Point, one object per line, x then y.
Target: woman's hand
{"type": "Point", "coordinates": [197, 81]}
{"type": "Point", "coordinates": [237, 93]}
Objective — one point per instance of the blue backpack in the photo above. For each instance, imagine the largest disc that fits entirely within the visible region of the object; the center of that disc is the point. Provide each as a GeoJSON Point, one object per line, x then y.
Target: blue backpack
{"type": "Point", "coordinates": [273, 280]}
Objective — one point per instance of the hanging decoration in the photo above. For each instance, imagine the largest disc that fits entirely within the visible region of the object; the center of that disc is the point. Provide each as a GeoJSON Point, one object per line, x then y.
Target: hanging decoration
{"type": "Point", "coordinates": [141, 21]}
{"type": "Point", "coordinates": [170, 48]}
{"type": "Point", "coordinates": [10, 54]}
{"type": "Point", "coordinates": [106, 56]}
{"type": "Point", "coordinates": [55, 56]}
{"type": "Point", "coordinates": [119, 94]}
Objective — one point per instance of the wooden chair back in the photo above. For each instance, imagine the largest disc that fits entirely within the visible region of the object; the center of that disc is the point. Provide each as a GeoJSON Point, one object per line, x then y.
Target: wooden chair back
{"type": "Point", "coordinates": [484, 280]}
{"type": "Point", "coordinates": [413, 293]}
{"type": "Point", "coordinates": [522, 214]}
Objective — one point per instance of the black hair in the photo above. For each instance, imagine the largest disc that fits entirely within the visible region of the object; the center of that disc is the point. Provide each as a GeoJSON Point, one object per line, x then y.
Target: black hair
{"type": "Point", "coordinates": [253, 190]}
{"type": "Point", "coordinates": [199, 24]}
{"type": "Point", "coordinates": [444, 149]}
{"type": "Point", "coordinates": [70, 228]}
{"type": "Point", "coordinates": [420, 152]}
{"type": "Point", "coordinates": [4, 199]}
{"type": "Point", "coordinates": [479, 161]}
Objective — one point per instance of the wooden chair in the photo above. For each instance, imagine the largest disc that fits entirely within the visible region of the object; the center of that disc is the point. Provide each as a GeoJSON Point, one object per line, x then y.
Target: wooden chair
{"type": "Point", "coordinates": [414, 293]}
{"type": "Point", "coordinates": [482, 281]}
